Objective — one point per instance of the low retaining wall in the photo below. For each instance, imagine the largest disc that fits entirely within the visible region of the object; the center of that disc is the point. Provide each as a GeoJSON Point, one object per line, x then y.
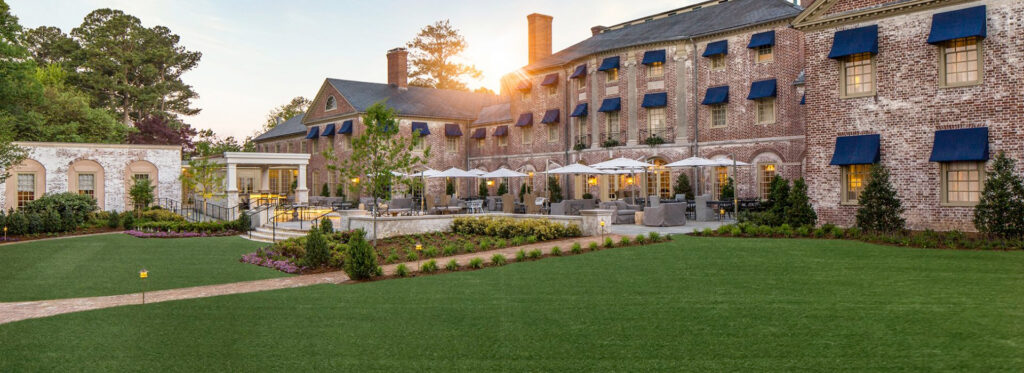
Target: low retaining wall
{"type": "Point", "coordinates": [403, 225]}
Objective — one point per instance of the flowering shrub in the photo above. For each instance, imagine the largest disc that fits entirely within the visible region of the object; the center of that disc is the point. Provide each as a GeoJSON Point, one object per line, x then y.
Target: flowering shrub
{"type": "Point", "coordinates": [273, 260]}
{"type": "Point", "coordinates": [540, 229]}
{"type": "Point", "coordinates": [158, 234]}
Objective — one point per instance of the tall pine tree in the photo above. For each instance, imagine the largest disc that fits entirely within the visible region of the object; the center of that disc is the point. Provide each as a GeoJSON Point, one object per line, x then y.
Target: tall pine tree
{"type": "Point", "coordinates": [1000, 210]}
{"type": "Point", "coordinates": [880, 208]}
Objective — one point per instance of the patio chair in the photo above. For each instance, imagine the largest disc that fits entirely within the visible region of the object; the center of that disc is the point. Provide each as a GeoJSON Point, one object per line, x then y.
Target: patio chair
{"type": "Point", "coordinates": [508, 203]}
{"type": "Point", "coordinates": [665, 215]}
{"type": "Point", "coordinates": [475, 207]}
{"type": "Point", "coordinates": [621, 212]}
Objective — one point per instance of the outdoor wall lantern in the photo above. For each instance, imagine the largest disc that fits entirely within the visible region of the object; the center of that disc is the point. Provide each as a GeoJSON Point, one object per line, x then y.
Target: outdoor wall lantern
{"type": "Point", "coordinates": [592, 180]}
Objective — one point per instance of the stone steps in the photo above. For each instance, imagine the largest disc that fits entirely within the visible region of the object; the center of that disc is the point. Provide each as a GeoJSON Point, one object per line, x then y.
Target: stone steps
{"type": "Point", "coordinates": [267, 234]}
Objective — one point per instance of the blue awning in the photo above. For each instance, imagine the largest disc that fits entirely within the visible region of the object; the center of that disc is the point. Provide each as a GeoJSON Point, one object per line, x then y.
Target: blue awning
{"type": "Point", "coordinates": [579, 111]}
{"type": "Point", "coordinates": [501, 131]}
{"type": "Point", "coordinates": [652, 100]}
{"type": "Point", "coordinates": [581, 71]}
{"type": "Point", "coordinates": [854, 41]}
{"type": "Point", "coordinates": [651, 57]}
{"type": "Point", "coordinates": [328, 130]}
{"type": "Point", "coordinates": [963, 23]}
{"type": "Point", "coordinates": [525, 119]}
{"type": "Point", "coordinates": [452, 130]}
{"type": "Point", "coordinates": [551, 116]}
{"type": "Point", "coordinates": [969, 144]}
{"type": "Point", "coordinates": [716, 95]}
{"type": "Point", "coordinates": [716, 48]}
{"type": "Point", "coordinates": [422, 127]}
{"type": "Point", "coordinates": [479, 133]}
{"type": "Point", "coordinates": [609, 63]}
{"type": "Point", "coordinates": [762, 39]}
{"type": "Point", "coordinates": [610, 104]}
{"type": "Point", "coordinates": [314, 132]}
{"type": "Point", "coordinates": [346, 128]}
{"type": "Point", "coordinates": [803, 99]}
{"type": "Point", "coordinates": [550, 79]}
{"type": "Point", "coordinates": [762, 89]}
{"type": "Point", "coordinates": [861, 149]}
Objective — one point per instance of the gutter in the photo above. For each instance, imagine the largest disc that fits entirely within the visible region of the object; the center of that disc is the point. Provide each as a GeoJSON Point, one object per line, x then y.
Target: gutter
{"type": "Point", "coordinates": [696, 118]}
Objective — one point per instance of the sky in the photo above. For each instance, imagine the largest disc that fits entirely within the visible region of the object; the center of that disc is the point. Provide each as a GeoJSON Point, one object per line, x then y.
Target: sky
{"type": "Point", "coordinates": [259, 54]}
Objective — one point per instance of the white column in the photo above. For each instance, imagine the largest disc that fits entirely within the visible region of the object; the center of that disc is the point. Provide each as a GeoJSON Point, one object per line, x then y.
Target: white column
{"type": "Point", "coordinates": [232, 188]}
{"type": "Point", "coordinates": [264, 179]}
{"type": "Point", "coordinates": [301, 192]}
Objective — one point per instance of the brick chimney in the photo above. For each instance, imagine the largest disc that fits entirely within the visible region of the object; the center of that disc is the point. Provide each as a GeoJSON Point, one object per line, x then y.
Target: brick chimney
{"type": "Point", "coordinates": [398, 68]}
{"type": "Point", "coordinates": [596, 30]}
{"type": "Point", "coordinates": [540, 36]}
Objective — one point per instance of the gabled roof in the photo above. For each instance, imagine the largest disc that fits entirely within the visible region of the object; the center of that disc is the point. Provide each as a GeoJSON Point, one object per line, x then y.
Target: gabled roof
{"type": "Point", "coordinates": [291, 127]}
{"type": "Point", "coordinates": [693, 23]}
{"type": "Point", "coordinates": [414, 101]}
{"type": "Point", "coordinates": [500, 113]}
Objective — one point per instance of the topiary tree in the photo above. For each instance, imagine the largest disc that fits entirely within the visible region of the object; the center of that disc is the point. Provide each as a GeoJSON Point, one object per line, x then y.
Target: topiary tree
{"type": "Point", "coordinates": [1000, 210]}
{"type": "Point", "coordinates": [141, 193]}
{"type": "Point", "coordinates": [778, 201]}
{"type": "Point", "coordinates": [360, 258]}
{"type": "Point", "coordinates": [683, 186]}
{"type": "Point", "coordinates": [522, 192]}
{"type": "Point", "coordinates": [449, 187]}
{"type": "Point", "coordinates": [799, 211]}
{"type": "Point", "coordinates": [728, 191]}
{"type": "Point", "coordinates": [502, 189]}
{"type": "Point", "coordinates": [483, 189]}
{"type": "Point", "coordinates": [317, 253]}
{"type": "Point", "coordinates": [555, 189]}
{"type": "Point", "coordinates": [880, 208]}
{"type": "Point", "coordinates": [326, 226]}
{"type": "Point", "coordinates": [339, 191]}
{"type": "Point", "coordinates": [325, 191]}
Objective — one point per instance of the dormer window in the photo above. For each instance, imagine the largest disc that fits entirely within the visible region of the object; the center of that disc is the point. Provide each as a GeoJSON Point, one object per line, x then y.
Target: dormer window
{"type": "Point", "coordinates": [332, 103]}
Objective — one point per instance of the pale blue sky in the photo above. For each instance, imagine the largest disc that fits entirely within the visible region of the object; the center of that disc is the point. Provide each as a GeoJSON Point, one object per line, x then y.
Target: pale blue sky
{"type": "Point", "coordinates": [259, 54]}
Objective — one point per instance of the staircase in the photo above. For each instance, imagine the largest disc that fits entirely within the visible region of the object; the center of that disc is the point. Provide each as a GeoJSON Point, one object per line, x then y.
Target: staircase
{"type": "Point", "coordinates": [266, 234]}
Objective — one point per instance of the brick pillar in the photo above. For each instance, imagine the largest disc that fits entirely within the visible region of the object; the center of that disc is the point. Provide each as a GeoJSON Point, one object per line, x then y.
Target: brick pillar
{"type": "Point", "coordinates": [539, 30]}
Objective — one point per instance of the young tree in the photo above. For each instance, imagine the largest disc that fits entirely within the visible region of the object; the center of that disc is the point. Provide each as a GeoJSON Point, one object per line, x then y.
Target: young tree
{"type": "Point", "coordinates": [483, 189]}
{"type": "Point", "coordinates": [555, 189]}
{"type": "Point", "coordinates": [360, 258]}
{"type": "Point", "coordinates": [208, 144]}
{"type": "Point", "coordinates": [141, 193]}
{"type": "Point", "coordinates": [435, 52]}
{"type": "Point", "coordinates": [378, 152]}
{"type": "Point", "coordinates": [502, 188]}
{"type": "Point", "coordinates": [880, 208]}
{"type": "Point", "coordinates": [325, 191]}
{"type": "Point", "coordinates": [778, 201]}
{"type": "Point", "coordinates": [449, 187]}
{"type": "Point", "coordinates": [799, 211]}
{"type": "Point", "coordinates": [1000, 210]}
{"type": "Point", "coordinates": [203, 177]}
{"type": "Point", "coordinates": [728, 192]}
{"type": "Point", "coordinates": [683, 186]}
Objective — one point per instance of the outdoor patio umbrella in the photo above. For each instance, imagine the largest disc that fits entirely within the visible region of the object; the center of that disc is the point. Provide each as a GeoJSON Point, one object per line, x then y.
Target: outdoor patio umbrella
{"type": "Point", "coordinates": [624, 165]}
{"type": "Point", "coordinates": [424, 174]}
{"type": "Point", "coordinates": [502, 173]}
{"type": "Point", "coordinates": [575, 169]}
{"type": "Point", "coordinates": [477, 173]}
{"type": "Point", "coordinates": [730, 162]}
{"type": "Point", "coordinates": [452, 172]}
{"type": "Point", "coordinates": [693, 162]}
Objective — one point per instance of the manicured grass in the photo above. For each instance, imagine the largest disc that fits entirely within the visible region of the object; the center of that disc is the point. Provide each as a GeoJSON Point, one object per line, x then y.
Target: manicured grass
{"type": "Point", "coordinates": [109, 265]}
{"type": "Point", "coordinates": [696, 304]}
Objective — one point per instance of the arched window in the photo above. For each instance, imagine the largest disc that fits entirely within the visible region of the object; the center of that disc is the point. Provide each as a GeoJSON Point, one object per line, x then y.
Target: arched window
{"type": "Point", "coordinates": [27, 182]}
{"type": "Point", "coordinates": [140, 170]}
{"type": "Point", "coordinates": [86, 177]}
{"type": "Point", "coordinates": [332, 103]}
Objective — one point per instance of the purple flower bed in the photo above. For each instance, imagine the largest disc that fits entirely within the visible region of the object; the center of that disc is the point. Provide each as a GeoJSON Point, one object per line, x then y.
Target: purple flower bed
{"type": "Point", "coordinates": [266, 259]}
{"type": "Point", "coordinates": [141, 234]}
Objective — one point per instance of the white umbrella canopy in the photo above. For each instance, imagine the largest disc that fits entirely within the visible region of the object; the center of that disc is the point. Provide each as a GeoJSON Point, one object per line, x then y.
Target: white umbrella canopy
{"type": "Point", "coordinates": [398, 174]}
{"type": "Point", "coordinates": [622, 164]}
{"type": "Point", "coordinates": [425, 173]}
{"type": "Point", "coordinates": [576, 168]}
{"type": "Point", "coordinates": [452, 172]}
{"type": "Point", "coordinates": [501, 173]}
{"type": "Point", "coordinates": [693, 162]}
{"type": "Point", "coordinates": [729, 162]}
{"type": "Point", "coordinates": [477, 173]}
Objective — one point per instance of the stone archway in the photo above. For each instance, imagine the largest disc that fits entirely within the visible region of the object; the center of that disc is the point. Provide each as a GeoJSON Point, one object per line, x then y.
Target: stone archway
{"type": "Point", "coordinates": [26, 183]}
{"type": "Point", "coordinates": [140, 169]}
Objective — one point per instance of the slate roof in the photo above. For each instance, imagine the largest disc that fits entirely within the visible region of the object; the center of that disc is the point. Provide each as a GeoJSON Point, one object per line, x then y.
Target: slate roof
{"type": "Point", "coordinates": [695, 23]}
{"type": "Point", "coordinates": [500, 113]}
{"type": "Point", "coordinates": [291, 127]}
{"type": "Point", "coordinates": [414, 101]}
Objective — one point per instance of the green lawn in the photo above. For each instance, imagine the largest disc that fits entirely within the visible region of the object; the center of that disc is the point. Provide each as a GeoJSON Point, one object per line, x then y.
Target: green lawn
{"type": "Point", "coordinates": [696, 304]}
{"type": "Point", "coordinates": [109, 265]}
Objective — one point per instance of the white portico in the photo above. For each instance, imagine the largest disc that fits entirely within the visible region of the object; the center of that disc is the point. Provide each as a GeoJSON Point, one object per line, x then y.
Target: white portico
{"type": "Point", "coordinates": [242, 170]}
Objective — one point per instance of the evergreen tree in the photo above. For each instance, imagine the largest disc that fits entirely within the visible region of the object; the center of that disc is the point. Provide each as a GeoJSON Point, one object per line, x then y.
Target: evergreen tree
{"type": "Point", "coordinates": [449, 187]}
{"type": "Point", "coordinates": [483, 189]}
{"type": "Point", "coordinates": [434, 58]}
{"type": "Point", "coordinates": [325, 191]}
{"type": "Point", "coordinates": [683, 186]}
{"type": "Point", "coordinates": [502, 189]}
{"type": "Point", "coordinates": [360, 258]}
{"type": "Point", "coordinates": [317, 252]}
{"type": "Point", "coordinates": [799, 211]}
{"type": "Point", "coordinates": [778, 201]}
{"type": "Point", "coordinates": [1000, 210]}
{"type": "Point", "coordinates": [555, 189]}
{"type": "Point", "coordinates": [728, 191]}
{"type": "Point", "coordinates": [880, 208]}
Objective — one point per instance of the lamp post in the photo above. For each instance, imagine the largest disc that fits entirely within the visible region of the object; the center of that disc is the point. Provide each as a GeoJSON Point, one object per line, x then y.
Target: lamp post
{"type": "Point", "coordinates": [143, 275]}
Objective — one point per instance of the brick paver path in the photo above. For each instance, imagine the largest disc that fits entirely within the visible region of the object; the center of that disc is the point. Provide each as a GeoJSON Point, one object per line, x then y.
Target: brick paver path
{"type": "Point", "coordinates": [16, 311]}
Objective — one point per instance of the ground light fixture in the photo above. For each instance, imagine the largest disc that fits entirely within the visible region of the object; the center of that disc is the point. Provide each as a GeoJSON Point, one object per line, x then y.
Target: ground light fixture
{"type": "Point", "coordinates": [143, 275]}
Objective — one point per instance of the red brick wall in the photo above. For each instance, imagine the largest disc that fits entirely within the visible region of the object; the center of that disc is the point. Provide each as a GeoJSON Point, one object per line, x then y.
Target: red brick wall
{"type": "Point", "coordinates": [317, 110]}
{"type": "Point", "coordinates": [909, 107]}
{"type": "Point", "coordinates": [848, 5]}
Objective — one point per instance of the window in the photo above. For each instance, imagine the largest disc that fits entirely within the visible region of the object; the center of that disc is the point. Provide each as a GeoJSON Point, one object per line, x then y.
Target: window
{"type": "Point", "coordinates": [961, 62]}
{"type": "Point", "coordinates": [581, 83]}
{"type": "Point", "coordinates": [656, 121]}
{"type": "Point", "coordinates": [451, 144]}
{"type": "Point", "coordinates": [718, 117]}
{"type": "Point", "coordinates": [332, 103]}
{"type": "Point", "coordinates": [858, 75]}
{"type": "Point", "coordinates": [526, 96]}
{"type": "Point", "coordinates": [658, 179]}
{"type": "Point", "coordinates": [527, 135]}
{"type": "Point", "coordinates": [302, 145]}
{"type": "Point", "coordinates": [612, 75]}
{"type": "Point", "coordinates": [502, 141]}
{"type": "Point", "coordinates": [552, 133]}
{"type": "Point", "coordinates": [611, 124]}
{"type": "Point", "coordinates": [316, 146]}
{"type": "Point", "coordinates": [765, 53]}
{"type": "Point", "coordinates": [962, 182]}
{"type": "Point", "coordinates": [87, 185]}
{"type": "Point", "coordinates": [245, 184]}
{"type": "Point", "coordinates": [855, 177]}
{"type": "Point", "coordinates": [277, 148]}
{"type": "Point", "coordinates": [136, 177]}
{"type": "Point", "coordinates": [766, 110]}
{"type": "Point", "coordinates": [420, 143]}
{"type": "Point", "coordinates": [721, 179]}
{"type": "Point", "coordinates": [552, 90]}
{"type": "Point", "coordinates": [26, 189]}
{"type": "Point", "coordinates": [345, 142]}
{"type": "Point", "coordinates": [656, 69]}
{"type": "Point", "coordinates": [766, 174]}
{"type": "Point", "coordinates": [480, 145]}
{"type": "Point", "coordinates": [718, 62]}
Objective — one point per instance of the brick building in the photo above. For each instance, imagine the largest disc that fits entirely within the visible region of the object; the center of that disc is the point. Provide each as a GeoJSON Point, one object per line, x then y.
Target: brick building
{"type": "Point", "coordinates": [929, 88]}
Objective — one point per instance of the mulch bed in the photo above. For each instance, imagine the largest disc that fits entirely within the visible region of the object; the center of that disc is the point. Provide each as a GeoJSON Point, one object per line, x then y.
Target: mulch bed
{"type": "Point", "coordinates": [43, 236]}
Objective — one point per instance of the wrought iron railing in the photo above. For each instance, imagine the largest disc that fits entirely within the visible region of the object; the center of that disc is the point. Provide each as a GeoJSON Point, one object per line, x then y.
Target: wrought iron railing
{"type": "Point", "coordinates": [582, 142]}
{"type": "Point", "coordinates": [656, 136]}
{"type": "Point", "coordinates": [615, 138]}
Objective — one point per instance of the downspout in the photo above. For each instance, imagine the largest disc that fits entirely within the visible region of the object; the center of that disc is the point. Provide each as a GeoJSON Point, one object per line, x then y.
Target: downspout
{"type": "Point", "coordinates": [696, 119]}
{"type": "Point", "coordinates": [566, 131]}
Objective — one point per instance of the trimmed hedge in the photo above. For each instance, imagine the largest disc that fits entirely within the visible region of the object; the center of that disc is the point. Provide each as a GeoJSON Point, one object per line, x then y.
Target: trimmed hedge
{"type": "Point", "coordinates": [171, 226]}
{"type": "Point", "coordinates": [509, 228]}
{"type": "Point", "coordinates": [927, 239]}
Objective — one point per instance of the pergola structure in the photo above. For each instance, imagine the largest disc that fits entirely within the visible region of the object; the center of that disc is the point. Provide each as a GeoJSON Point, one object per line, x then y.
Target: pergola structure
{"type": "Point", "coordinates": [264, 162]}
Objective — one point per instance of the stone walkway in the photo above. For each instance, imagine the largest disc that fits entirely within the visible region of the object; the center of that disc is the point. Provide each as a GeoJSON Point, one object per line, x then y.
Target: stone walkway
{"type": "Point", "coordinates": [16, 311]}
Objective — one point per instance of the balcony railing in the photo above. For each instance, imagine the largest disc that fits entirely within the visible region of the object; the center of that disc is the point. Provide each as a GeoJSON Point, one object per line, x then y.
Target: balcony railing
{"type": "Point", "coordinates": [582, 142]}
{"type": "Point", "coordinates": [610, 139]}
{"type": "Point", "coordinates": [656, 136]}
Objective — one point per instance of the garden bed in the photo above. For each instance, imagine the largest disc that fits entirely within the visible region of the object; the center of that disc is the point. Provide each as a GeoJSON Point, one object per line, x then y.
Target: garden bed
{"type": "Point", "coordinates": [927, 239]}
{"type": "Point", "coordinates": [43, 236]}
